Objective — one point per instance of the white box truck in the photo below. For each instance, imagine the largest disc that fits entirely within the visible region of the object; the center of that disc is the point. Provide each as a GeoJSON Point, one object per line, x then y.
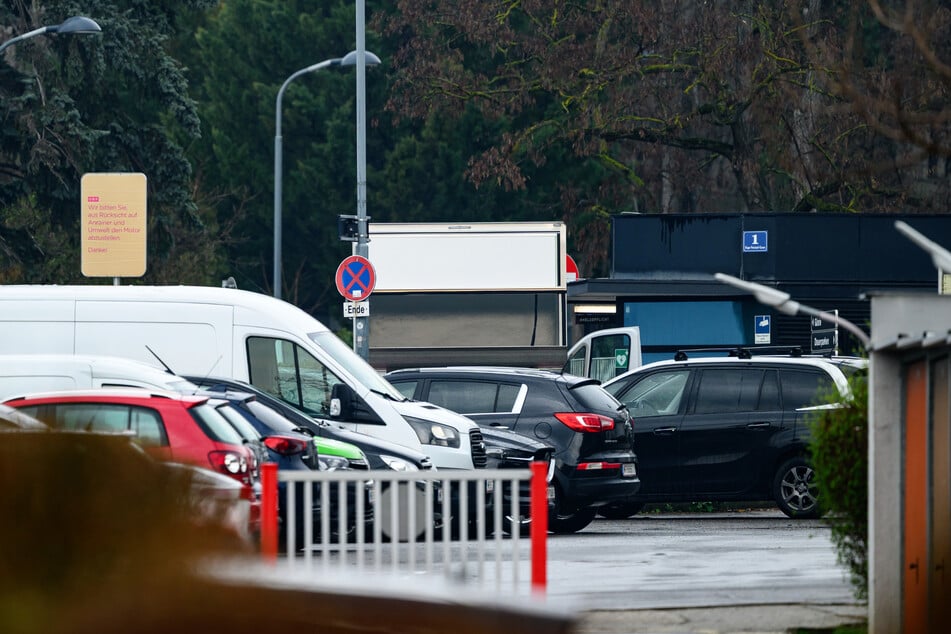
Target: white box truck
{"type": "Point", "coordinates": [481, 293]}
{"type": "Point", "coordinates": [197, 330]}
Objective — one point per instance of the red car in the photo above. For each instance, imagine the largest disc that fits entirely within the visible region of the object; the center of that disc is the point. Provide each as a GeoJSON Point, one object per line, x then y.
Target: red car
{"type": "Point", "coordinates": [170, 426]}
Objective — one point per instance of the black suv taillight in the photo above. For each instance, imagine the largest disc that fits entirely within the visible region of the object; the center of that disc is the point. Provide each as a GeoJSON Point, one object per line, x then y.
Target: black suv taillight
{"type": "Point", "coordinates": [586, 422]}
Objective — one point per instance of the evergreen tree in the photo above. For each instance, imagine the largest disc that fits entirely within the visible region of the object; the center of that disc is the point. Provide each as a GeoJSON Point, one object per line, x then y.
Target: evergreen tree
{"type": "Point", "coordinates": [109, 102]}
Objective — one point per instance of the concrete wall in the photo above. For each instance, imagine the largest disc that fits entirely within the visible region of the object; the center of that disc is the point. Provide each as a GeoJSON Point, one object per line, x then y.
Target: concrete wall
{"type": "Point", "coordinates": [906, 328]}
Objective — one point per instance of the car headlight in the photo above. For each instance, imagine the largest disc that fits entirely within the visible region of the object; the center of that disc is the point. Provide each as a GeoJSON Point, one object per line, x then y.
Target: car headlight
{"type": "Point", "coordinates": [398, 464]}
{"type": "Point", "coordinates": [431, 433]}
{"type": "Point", "coordinates": [332, 463]}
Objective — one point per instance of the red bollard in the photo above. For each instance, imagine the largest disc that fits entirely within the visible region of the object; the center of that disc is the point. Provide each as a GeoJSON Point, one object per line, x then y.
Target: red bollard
{"type": "Point", "coordinates": [539, 527]}
{"type": "Point", "coordinates": [269, 511]}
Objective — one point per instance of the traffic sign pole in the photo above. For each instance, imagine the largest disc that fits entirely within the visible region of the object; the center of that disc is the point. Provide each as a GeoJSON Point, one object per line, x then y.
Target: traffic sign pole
{"type": "Point", "coordinates": [355, 281]}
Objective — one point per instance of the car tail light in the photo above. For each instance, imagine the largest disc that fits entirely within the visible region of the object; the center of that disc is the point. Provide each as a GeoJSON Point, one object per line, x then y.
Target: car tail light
{"type": "Point", "coordinates": [586, 422]}
{"type": "Point", "coordinates": [286, 446]}
{"type": "Point", "coordinates": [598, 466]}
{"type": "Point", "coordinates": [230, 463]}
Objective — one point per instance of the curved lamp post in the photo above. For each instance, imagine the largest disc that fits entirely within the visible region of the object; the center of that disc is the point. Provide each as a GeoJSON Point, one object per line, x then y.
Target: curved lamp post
{"type": "Point", "coordinates": [783, 303]}
{"type": "Point", "coordinates": [350, 59]}
{"type": "Point", "coordinates": [76, 24]}
{"type": "Point", "coordinates": [940, 257]}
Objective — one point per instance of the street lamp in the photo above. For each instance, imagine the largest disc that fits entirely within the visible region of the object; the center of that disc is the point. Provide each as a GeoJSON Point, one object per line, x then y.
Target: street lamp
{"type": "Point", "coordinates": [783, 303]}
{"type": "Point", "coordinates": [75, 24]}
{"type": "Point", "coordinates": [940, 256]}
{"type": "Point", "coordinates": [350, 59]}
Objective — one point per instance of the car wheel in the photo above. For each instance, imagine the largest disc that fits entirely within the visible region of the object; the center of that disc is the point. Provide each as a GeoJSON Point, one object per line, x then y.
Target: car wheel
{"type": "Point", "coordinates": [620, 510]}
{"type": "Point", "coordinates": [565, 523]}
{"type": "Point", "coordinates": [524, 523]}
{"type": "Point", "coordinates": [565, 519]}
{"type": "Point", "coordinates": [795, 490]}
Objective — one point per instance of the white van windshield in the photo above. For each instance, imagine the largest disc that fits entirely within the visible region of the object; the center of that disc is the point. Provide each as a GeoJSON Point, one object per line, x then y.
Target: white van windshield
{"type": "Point", "coordinates": [354, 364]}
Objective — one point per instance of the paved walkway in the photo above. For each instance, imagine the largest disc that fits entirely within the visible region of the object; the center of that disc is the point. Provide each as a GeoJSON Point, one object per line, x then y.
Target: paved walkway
{"type": "Point", "coordinates": [762, 619]}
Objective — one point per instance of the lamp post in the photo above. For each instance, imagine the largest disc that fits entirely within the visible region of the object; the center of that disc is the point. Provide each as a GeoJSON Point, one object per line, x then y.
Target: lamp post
{"type": "Point", "coordinates": [350, 59]}
{"type": "Point", "coordinates": [940, 256]}
{"type": "Point", "coordinates": [75, 24]}
{"type": "Point", "coordinates": [783, 303]}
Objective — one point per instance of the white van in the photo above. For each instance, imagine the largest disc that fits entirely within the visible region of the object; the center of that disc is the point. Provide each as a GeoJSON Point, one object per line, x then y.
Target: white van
{"type": "Point", "coordinates": [29, 373]}
{"type": "Point", "coordinates": [201, 331]}
{"type": "Point", "coordinates": [605, 354]}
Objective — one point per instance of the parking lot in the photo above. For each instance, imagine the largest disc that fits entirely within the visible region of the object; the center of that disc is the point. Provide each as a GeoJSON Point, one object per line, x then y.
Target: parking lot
{"type": "Point", "coordinates": [677, 560]}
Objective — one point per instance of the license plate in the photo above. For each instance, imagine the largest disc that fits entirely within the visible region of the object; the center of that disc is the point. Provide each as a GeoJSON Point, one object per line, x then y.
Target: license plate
{"type": "Point", "coordinates": [551, 493]}
{"type": "Point", "coordinates": [489, 486]}
{"type": "Point", "coordinates": [628, 469]}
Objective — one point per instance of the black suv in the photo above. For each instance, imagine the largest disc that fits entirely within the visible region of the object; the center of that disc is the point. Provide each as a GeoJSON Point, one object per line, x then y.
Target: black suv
{"type": "Point", "coordinates": [728, 428]}
{"type": "Point", "coordinates": [590, 430]}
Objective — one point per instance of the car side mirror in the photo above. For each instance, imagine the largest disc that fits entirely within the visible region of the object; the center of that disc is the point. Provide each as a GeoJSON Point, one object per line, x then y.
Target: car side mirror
{"type": "Point", "coordinates": [347, 406]}
{"type": "Point", "coordinates": [341, 401]}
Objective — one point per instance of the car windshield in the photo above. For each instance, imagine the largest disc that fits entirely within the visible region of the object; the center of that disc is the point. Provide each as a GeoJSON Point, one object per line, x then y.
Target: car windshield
{"type": "Point", "coordinates": [239, 422]}
{"type": "Point", "coordinates": [354, 364]}
{"type": "Point", "coordinates": [594, 397]}
{"type": "Point", "coordinates": [271, 419]}
{"type": "Point", "coordinates": [214, 425]}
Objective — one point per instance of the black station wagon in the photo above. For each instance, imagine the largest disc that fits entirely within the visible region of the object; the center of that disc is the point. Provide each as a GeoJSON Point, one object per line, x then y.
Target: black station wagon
{"type": "Point", "coordinates": [729, 428]}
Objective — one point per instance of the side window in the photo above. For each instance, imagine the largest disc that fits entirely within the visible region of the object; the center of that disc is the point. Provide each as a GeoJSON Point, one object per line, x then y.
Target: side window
{"type": "Point", "coordinates": [464, 397]}
{"type": "Point", "coordinates": [145, 423]}
{"type": "Point", "coordinates": [804, 388]}
{"type": "Point", "coordinates": [148, 427]}
{"type": "Point", "coordinates": [91, 417]}
{"type": "Point", "coordinates": [406, 388]}
{"type": "Point", "coordinates": [657, 394]}
{"type": "Point", "coordinates": [506, 398]}
{"type": "Point", "coordinates": [769, 395]}
{"type": "Point", "coordinates": [727, 390]}
{"type": "Point", "coordinates": [289, 372]}
{"type": "Point", "coordinates": [575, 364]}
{"type": "Point", "coordinates": [605, 363]}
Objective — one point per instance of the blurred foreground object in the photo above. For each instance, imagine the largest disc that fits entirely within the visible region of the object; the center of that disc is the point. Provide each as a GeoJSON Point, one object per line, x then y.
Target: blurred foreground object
{"type": "Point", "coordinates": [98, 538]}
{"type": "Point", "coordinates": [90, 519]}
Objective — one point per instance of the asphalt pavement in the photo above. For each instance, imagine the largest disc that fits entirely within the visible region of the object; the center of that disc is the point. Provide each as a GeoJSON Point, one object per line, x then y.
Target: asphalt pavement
{"type": "Point", "coordinates": [762, 619]}
{"type": "Point", "coordinates": [721, 616]}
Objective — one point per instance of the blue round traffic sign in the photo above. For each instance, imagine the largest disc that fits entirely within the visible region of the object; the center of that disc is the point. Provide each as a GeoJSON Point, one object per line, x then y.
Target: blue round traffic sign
{"type": "Point", "coordinates": [355, 278]}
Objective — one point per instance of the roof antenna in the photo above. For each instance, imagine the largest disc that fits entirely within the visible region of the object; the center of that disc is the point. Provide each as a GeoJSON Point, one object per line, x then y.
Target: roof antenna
{"type": "Point", "coordinates": [164, 365]}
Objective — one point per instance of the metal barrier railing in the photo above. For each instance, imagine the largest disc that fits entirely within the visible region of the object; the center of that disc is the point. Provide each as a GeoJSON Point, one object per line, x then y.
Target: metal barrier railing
{"type": "Point", "coordinates": [464, 524]}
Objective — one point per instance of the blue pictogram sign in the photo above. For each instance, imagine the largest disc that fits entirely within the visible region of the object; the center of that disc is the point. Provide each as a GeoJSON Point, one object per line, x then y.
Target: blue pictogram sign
{"type": "Point", "coordinates": [754, 242]}
{"type": "Point", "coordinates": [761, 332]}
{"type": "Point", "coordinates": [355, 278]}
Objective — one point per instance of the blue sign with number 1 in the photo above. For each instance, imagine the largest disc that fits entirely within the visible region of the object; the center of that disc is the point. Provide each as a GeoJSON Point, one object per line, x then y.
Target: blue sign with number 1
{"type": "Point", "coordinates": [754, 242]}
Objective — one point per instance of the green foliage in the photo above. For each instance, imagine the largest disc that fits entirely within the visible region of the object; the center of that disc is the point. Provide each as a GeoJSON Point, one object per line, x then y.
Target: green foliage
{"type": "Point", "coordinates": [839, 447]}
{"type": "Point", "coordinates": [114, 101]}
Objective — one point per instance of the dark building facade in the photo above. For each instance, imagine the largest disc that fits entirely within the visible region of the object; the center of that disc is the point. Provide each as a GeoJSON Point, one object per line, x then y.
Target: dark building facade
{"type": "Point", "coordinates": [663, 266]}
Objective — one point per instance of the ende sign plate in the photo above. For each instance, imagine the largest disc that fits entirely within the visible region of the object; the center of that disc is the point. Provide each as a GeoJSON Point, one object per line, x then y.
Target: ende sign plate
{"type": "Point", "coordinates": [356, 309]}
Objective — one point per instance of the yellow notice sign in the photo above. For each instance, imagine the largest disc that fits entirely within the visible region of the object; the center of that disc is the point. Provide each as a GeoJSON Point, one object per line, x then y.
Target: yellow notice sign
{"type": "Point", "coordinates": [113, 225]}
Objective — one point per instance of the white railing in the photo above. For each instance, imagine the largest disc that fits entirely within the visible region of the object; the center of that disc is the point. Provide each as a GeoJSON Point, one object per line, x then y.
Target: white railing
{"type": "Point", "coordinates": [368, 520]}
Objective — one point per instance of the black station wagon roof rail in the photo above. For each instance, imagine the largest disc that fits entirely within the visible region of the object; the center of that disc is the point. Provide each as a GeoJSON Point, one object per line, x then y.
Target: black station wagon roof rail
{"type": "Point", "coordinates": [743, 352]}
